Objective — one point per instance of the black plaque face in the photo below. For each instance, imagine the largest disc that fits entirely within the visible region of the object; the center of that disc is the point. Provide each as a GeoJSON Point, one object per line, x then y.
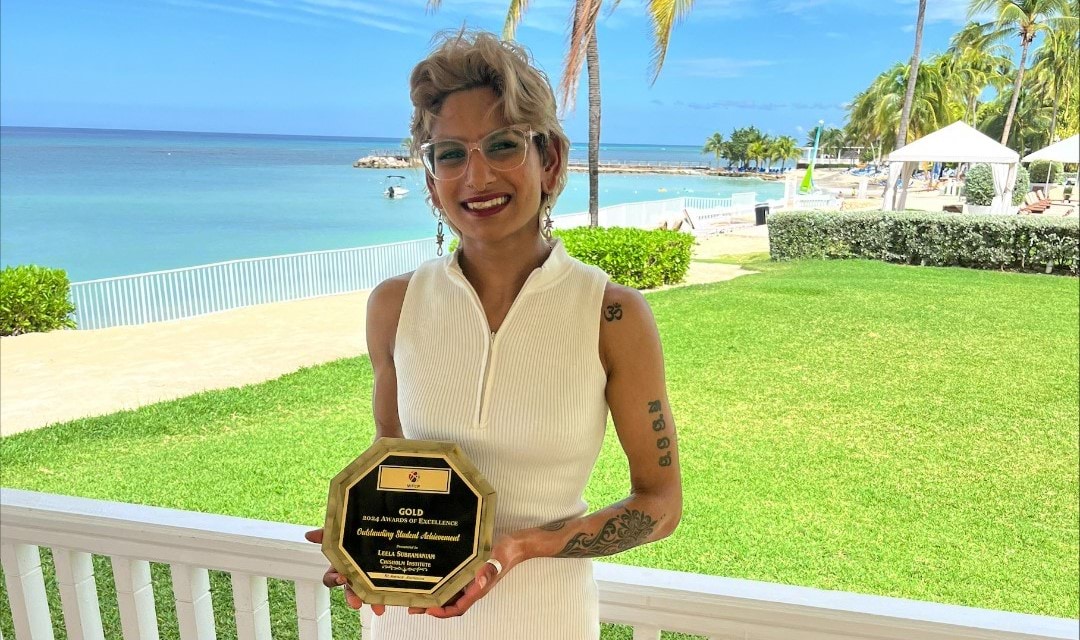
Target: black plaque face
{"type": "Point", "coordinates": [409, 522]}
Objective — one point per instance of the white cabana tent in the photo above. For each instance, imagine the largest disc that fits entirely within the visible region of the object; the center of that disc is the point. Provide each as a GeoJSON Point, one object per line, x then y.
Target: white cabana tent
{"type": "Point", "coordinates": [957, 142]}
{"type": "Point", "coordinates": [1067, 150]}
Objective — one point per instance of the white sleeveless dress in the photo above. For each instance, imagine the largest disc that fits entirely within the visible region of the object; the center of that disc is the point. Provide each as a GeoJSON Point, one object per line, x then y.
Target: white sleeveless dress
{"type": "Point", "coordinates": [527, 406]}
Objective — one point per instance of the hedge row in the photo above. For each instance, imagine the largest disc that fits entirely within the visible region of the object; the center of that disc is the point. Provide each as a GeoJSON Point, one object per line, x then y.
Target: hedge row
{"type": "Point", "coordinates": [1016, 243]}
{"type": "Point", "coordinates": [34, 298]}
{"type": "Point", "coordinates": [638, 258]}
{"type": "Point", "coordinates": [632, 257]}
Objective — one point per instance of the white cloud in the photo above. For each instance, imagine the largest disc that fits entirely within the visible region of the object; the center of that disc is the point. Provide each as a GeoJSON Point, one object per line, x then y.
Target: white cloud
{"type": "Point", "coordinates": [349, 11]}
{"type": "Point", "coordinates": [908, 28]}
{"type": "Point", "coordinates": [717, 67]}
{"type": "Point", "coordinates": [797, 7]}
{"type": "Point", "coordinates": [320, 13]}
{"type": "Point", "coordinates": [255, 13]}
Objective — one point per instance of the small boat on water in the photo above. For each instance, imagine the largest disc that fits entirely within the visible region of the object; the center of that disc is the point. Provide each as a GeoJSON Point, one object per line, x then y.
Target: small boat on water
{"type": "Point", "coordinates": [396, 188]}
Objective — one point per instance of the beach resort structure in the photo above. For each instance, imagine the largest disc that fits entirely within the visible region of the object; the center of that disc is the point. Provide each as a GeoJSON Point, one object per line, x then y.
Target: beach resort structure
{"type": "Point", "coordinates": [958, 142]}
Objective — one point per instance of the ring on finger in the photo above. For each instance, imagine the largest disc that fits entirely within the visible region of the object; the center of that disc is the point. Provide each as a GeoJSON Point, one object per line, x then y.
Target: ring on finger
{"type": "Point", "coordinates": [495, 563]}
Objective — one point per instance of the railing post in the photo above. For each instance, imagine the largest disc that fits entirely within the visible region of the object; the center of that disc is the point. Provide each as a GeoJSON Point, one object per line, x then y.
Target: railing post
{"type": "Point", "coordinates": [194, 607]}
{"type": "Point", "coordinates": [26, 591]}
{"type": "Point", "coordinates": [78, 594]}
{"type": "Point", "coordinates": [252, 606]}
{"type": "Point", "coordinates": [135, 598]}
{"type": "Point", "coordinates": [312, 610]}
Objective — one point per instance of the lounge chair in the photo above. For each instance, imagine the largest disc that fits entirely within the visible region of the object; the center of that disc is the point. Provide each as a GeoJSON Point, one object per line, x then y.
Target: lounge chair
{"type": "Point", "coordinates": [1032, 204]}
{"type": "Point", "coordinates": [705, 222]}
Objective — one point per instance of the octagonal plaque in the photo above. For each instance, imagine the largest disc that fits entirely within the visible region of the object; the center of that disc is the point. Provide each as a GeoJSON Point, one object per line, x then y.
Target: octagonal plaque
{"type": "Point", "coordinates": [409, 522]}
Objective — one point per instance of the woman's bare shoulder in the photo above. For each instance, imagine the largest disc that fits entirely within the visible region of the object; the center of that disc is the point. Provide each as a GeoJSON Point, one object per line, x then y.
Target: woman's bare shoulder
{"type": "Point", "coordinates": [626, 325]}
{"type": "Point", "coordinates": [620, 300]}
{"type": "Point", "coordinates": [384, 309]}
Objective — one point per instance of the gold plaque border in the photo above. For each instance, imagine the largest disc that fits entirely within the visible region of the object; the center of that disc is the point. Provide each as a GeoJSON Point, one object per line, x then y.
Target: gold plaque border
{"type": "Point", "coordinates": [334, 525]}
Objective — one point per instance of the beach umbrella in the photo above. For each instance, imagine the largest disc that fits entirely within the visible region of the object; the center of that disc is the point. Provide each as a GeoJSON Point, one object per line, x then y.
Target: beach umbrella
{"type": "Point", "coordinates": [1067, 150]}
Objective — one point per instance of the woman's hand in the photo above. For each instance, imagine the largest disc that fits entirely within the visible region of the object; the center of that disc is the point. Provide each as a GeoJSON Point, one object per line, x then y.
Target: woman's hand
{"type": "Point", "coordinates": [334, 579]}
{"type": "Point", "coordinates": [507, 551]}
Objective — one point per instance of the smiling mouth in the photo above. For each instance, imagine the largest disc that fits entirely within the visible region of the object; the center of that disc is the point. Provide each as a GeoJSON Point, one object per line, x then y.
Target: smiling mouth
{"type": "Point", "coordinates": [484, 205]}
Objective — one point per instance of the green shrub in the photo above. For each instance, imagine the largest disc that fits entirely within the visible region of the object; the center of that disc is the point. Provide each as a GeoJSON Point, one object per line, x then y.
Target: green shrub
{"type": "Point", "coordinates": [632, 257]}
{"type": "Point", "coordinates": [1018, 243]}
{"type": "Point", "coordinates": [979, 185]}
{"type": "Point", "coordinates": [1022, 186]}
{"type": "Point", "coordinates": [1038, 169]}
{"type": "Point", "coordinates": [34, 298]}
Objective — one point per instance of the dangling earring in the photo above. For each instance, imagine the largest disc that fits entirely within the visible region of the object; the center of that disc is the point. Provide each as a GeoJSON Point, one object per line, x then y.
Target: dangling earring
{"type": "Point", "coordinates": [546, 231]}
{"type": "Point", "coordinates": [439, 234]}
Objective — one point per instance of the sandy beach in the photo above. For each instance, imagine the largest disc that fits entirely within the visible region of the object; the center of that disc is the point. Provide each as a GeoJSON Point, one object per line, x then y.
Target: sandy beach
{"type": "Point", "coordinates": [58, 376]}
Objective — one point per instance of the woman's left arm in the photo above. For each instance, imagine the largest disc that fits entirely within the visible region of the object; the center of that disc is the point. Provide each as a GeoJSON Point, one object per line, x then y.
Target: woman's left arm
{"type": "Point", "coordinates": [637, 396]}
{"type": "Point", "coordinates": [636, 392]}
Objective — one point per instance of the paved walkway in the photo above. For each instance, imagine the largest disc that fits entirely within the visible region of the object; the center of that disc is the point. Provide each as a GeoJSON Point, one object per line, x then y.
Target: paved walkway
{"type": "Point", "coordinates": [63, 375]}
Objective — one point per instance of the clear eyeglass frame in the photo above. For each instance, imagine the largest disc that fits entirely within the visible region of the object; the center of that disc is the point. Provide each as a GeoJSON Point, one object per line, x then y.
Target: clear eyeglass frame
{"type": "Point", "coordinates": [427, 153]}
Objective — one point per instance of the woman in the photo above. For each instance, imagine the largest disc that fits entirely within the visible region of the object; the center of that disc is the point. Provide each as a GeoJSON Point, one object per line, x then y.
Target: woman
{"type": "Point", "coordinates": [516, 351]}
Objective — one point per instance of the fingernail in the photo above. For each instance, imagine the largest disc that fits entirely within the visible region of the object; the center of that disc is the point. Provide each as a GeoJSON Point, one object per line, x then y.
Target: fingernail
{"type": "Point", "coordinates": [341, 580]}
{"type": "Point", "coordinates": [482, 581]}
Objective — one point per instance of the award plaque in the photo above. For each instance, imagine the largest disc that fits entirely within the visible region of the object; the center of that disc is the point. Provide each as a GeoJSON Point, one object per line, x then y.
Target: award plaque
{"type": "Point", "coordinates": [409, 522]}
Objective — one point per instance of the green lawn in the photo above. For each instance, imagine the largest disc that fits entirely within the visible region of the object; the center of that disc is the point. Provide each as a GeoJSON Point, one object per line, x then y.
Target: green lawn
{"type": "Point", "coordinates": [847, 425]}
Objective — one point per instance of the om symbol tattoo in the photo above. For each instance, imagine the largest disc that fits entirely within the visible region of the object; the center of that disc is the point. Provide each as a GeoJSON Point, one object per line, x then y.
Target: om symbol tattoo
{"type": "Point", "coordinates": [613, 312]}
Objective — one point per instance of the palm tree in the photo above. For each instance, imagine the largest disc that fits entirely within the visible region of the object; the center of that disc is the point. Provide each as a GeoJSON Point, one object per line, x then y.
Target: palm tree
{"type": "Point", "coordinates": [874, 114]}
{"type": "Point", "coordinates": [833, 139]}
{"type": "Point", "coordinates": [583, 48]}
{"type": "Point", "coordinates": [782, 149]}
{"type": "Point", "coordinates": [909, 94]}
{"type": "Point", "coordinates": [1025, 18]}
{"type": "Point", "coordinates": [975, 63]}
{"type": "Point", "coordinates": [1056, 67]}
{"type": "Point", "coordinates": [715, 145]}
{"type": "Point", "coordinates": [757, 151]}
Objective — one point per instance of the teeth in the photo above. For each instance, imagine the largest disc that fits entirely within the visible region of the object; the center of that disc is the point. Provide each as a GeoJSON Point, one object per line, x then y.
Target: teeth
{"type": "Point", "coordinates": [487, 204]}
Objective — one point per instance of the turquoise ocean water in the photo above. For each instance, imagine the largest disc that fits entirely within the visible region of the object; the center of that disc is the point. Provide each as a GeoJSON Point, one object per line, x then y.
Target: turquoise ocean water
{"type": "Point", "coordinates": [102, 203]}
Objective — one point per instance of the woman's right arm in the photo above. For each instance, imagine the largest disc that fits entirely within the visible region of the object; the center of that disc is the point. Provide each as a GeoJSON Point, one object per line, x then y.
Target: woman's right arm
{"type": "Point", "coordinates": [383, 311]}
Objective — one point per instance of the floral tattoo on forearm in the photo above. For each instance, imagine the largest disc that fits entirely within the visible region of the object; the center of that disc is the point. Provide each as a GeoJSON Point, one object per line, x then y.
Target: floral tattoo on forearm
{"type": "Point", "coordinates": [620, 533]}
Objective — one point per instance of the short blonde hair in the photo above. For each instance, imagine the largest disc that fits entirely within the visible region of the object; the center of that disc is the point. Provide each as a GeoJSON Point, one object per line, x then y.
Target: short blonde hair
{"type": "Point", "coordinates": [464, 60]}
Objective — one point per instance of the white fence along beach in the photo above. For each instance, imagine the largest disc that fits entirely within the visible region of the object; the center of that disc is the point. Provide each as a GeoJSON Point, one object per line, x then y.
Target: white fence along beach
{"type": "Point", "coordinates": [193, 291]}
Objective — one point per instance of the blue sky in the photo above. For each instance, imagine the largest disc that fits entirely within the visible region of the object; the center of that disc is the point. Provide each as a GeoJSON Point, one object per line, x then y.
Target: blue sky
{"type": "Point", "coordinates": [340, 67]}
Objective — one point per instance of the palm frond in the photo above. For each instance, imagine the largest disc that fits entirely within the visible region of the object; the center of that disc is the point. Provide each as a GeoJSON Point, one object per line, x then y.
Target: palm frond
{"type": "Point", "coordinates": [514, 13]}
{"type": "Point", "coordinates": [665, 15]}
{"type": "Point", "coordinates": [583, 26]}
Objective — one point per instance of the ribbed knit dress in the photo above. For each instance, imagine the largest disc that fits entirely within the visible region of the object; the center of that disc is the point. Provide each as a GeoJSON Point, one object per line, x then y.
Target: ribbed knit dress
{"type": "Point", "coordinates": [527, 406]}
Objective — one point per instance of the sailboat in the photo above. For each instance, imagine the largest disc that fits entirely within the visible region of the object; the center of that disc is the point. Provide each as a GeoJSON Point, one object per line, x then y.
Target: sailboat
{"type": "Point", "coordinates": [807, 185]}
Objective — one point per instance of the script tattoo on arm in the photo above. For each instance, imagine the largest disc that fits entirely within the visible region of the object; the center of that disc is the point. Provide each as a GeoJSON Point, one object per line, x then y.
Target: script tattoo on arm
{"type": "Point", "coordinates": [620, 533]}
{"type": "Point", "coordinates": [663, 442]}
{"type": "Point", "coordinates": [613, 312]}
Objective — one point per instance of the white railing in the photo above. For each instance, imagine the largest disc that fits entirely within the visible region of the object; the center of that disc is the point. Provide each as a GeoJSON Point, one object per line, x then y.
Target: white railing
{"type": "Point", "coordinates": [649, 600]}
{"type": "Point", "coordinates": [642, 164]}
{"type": "Point", "coordinates": [816, 202]}
{"type": "Point", "coordinates": [194, 291]}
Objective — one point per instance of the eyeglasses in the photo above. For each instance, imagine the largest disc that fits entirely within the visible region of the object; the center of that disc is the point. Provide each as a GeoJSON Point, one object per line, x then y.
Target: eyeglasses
{"type": "Point", "coordinates": [503, 150]}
